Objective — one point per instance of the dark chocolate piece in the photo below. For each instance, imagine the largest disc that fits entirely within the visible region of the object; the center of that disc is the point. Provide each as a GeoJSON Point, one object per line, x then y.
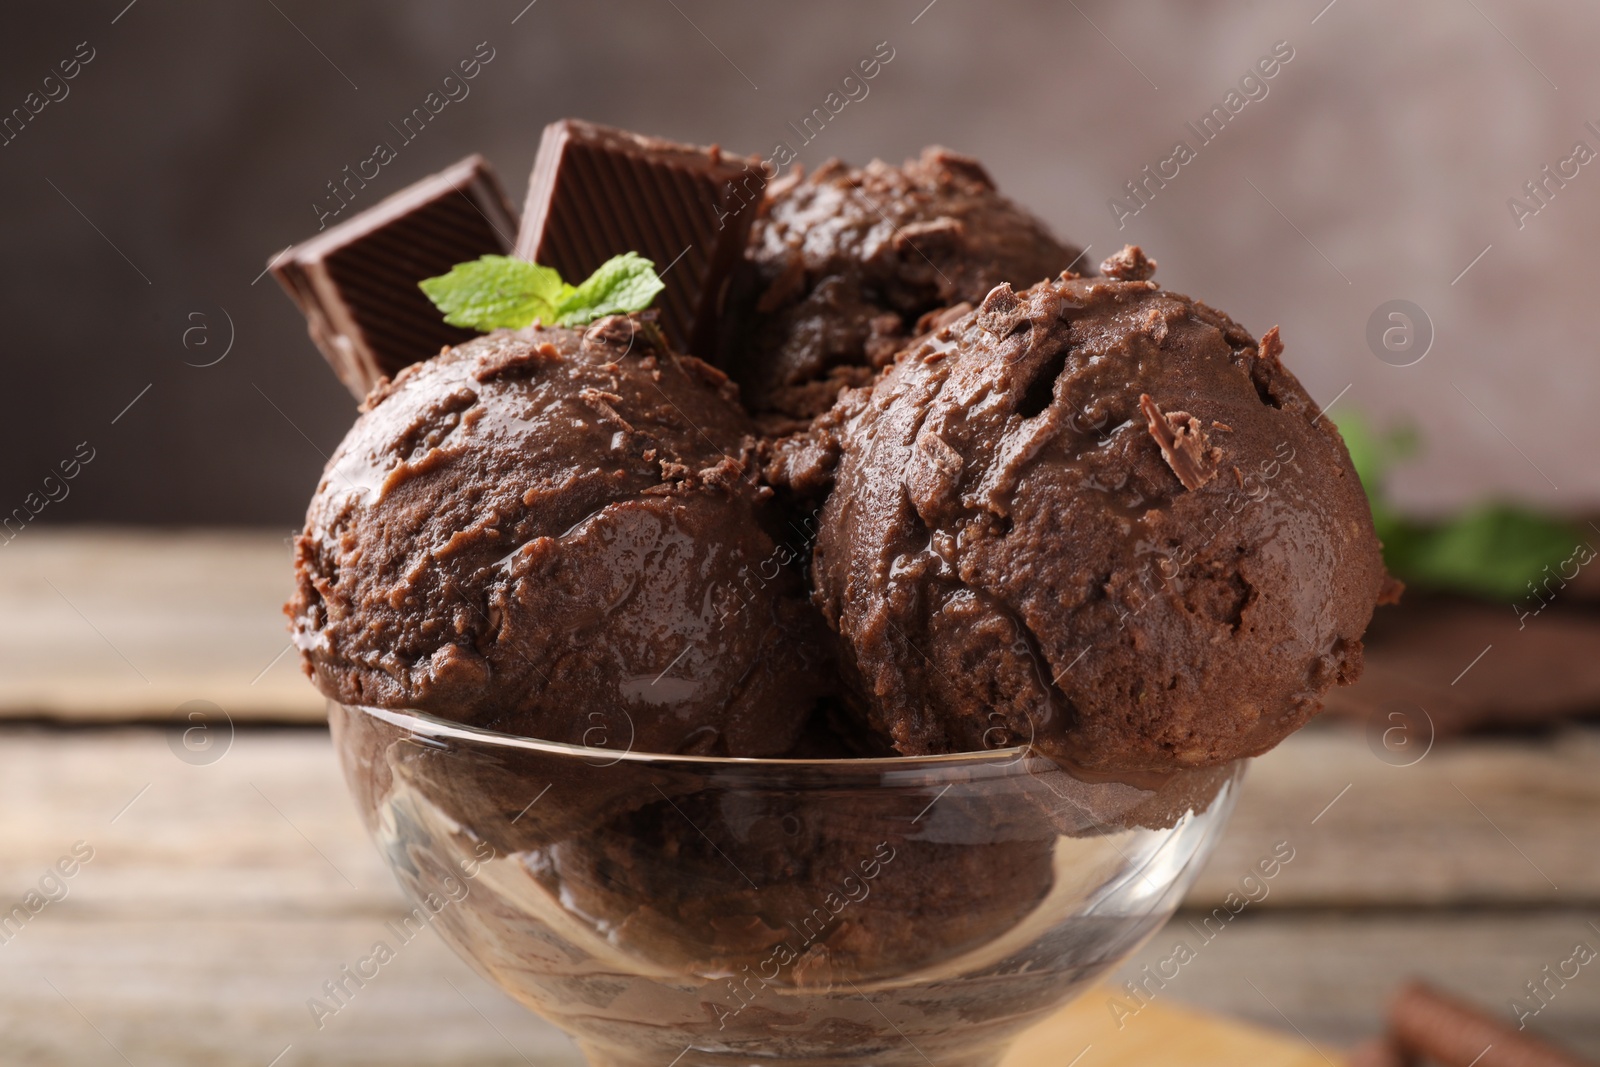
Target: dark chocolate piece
{"type": "Point", "coordinates": [357, 282]}
{"type": "Point", "coordinates": [1446, 1030]}
{"type": "Point", "coordinates": [1415, 651]}
{"type": "Point", "coordinates": [1381, 1052]}
{"type": "Point", "coordinates": [598, 192]}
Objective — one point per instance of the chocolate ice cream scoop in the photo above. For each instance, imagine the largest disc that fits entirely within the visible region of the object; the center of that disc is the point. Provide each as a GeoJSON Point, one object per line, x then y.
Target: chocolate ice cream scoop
{"type": "Point", "coordinates": [843, 263]}
{"type": "Point", "coordinates": [1100, 517]}
{"type": "Point", "coordinates": [559, 534]}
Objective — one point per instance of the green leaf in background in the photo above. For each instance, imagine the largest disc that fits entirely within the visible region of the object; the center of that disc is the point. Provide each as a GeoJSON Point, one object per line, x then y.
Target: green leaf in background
{"type": "Point", "coordinates": [1493, 550]}
{"type": "Point", "coordinates": [500, 292]}
{"type": "Point", "coordinates": [1496, 549]}
{"type": "Point", "coordinates": [622, 284]}
{"type": "Point", "coordinates": [1374, 455]}
{"type": "Point", "coordinates": [494, 292]}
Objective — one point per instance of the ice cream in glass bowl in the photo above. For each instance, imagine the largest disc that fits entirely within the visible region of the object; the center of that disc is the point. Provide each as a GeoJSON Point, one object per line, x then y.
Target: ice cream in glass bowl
{"type": "Point", "coordinates": [859, 692]}
{"type": "Point", "coordinates": [723, 911]}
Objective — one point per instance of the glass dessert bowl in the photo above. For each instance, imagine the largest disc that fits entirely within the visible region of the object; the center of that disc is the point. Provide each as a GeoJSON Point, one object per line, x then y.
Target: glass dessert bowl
{"type": "Point", "coordinates": [713, 911]}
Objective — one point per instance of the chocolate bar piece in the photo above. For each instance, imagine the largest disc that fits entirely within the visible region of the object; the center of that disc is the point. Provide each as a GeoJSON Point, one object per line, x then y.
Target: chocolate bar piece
{"type": "Point", "coordinates": [598, 192]}
{"type": "Point", "coordinates": [357, 282]}
{"type": "Point", "coordinates": [1433, 1025]}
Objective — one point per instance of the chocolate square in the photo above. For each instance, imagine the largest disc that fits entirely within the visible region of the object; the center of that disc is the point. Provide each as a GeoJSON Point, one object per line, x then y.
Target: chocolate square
{"type": "Point", "coordinates": [598, 192]}
{"type": "Point", "coordinates": [357, 281]}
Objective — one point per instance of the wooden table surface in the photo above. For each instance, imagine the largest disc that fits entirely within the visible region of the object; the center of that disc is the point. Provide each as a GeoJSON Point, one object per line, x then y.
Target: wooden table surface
{"type": "Point", "coordinates": [220, 896]}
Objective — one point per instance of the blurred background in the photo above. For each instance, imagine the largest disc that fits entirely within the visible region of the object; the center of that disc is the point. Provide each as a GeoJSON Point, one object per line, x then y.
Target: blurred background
{"type": "Point", "coordinates": [1430, 161]}
{"type": "Point", "coordinates": [1377, 167]}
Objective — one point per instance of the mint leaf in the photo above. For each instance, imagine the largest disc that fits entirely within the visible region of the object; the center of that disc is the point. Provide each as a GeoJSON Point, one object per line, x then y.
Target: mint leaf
{"type": "Point", "coordinates": [622, 284]}
{"type": "Point", "coordinates": [1373, 454]}
{"type": "Point", "coordinates": [494, 292]}
{"type": "Point", "coordinates": [1493, 550]}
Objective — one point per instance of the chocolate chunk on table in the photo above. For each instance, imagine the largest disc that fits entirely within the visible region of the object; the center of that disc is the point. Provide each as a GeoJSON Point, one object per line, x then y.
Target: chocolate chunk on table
{"type": "Point", "coordinates": [1430, 1024]}
{"type": "Point", "coordinates": [357, 282]}
{"type": "Point", "coordinates": [598, 192]}
{"type": "Point", "coordinates": [1475, 665]}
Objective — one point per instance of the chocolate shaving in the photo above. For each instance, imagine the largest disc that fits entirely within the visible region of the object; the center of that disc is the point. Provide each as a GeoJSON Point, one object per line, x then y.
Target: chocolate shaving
{"type": "Point", "coordinates": [613, 337]}
{"type": "Point", "coordinates": [1156, 323]}
{"type": "Point", "coordinates": [601, 404]}
{"type": "Point", "coordinates": [1128, 265]}
{"type": "Point", "coordinates": [1271, 346]}
{"type": "Point", "coordinates": [933, 474]}
{"type": "Point", "coordinates": [1187, 449]}
{"type": "Point", "coordinates": [946, 459]}
{"type": "Point", "coordinates": [1001, 312]}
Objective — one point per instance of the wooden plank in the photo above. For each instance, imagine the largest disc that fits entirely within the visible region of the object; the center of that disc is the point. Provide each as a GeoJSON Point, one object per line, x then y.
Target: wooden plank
{"type": "Point", "coordinates": [130, 624]}
{"type": "Point", "coordinates": [1328, 974]}
{"type": "Point", "coordinates": [232, 991]}
{"type": "Point", "coordinates": [267, 825]}
{"type": "Point", "coordinates": [220, 896]}
{"type": "Point", "coordinates": [174, 989]}
{"type": "Point", "coordinates": [240, 831]}
{"type": "Point", "coordinates": [1476, 821]}
{"type": "Point", "coordinates": [181, 993]}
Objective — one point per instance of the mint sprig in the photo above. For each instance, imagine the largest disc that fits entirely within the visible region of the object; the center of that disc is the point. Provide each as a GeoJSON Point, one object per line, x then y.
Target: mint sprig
{"type": "Point", "coordinates": [500, 292]}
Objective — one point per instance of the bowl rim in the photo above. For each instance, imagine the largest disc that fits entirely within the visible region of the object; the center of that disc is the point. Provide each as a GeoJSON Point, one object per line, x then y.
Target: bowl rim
{"type": "Point", "coordinates": [431, 726]}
